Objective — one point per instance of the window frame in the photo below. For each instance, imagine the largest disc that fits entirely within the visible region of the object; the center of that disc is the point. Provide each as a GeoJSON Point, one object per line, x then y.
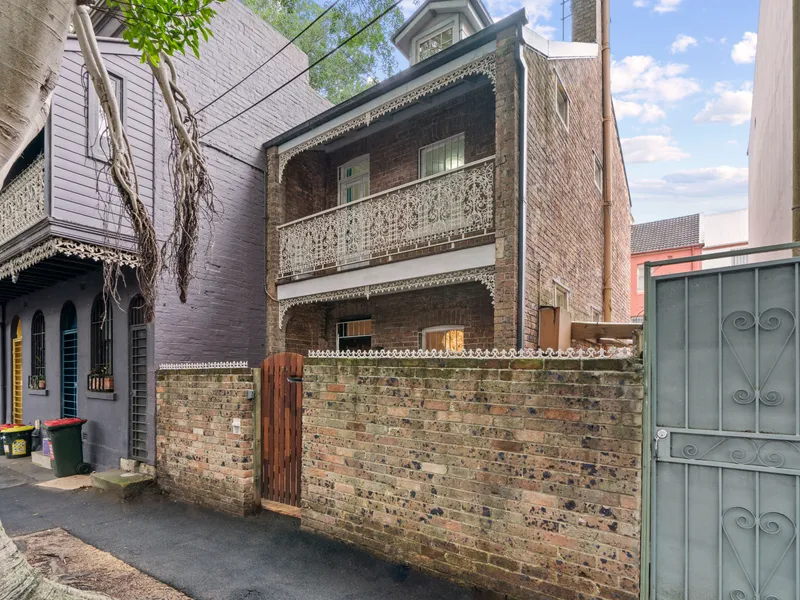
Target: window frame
{"type": "Point", "coordinates": [559, 87]}
{"type": "Point", "coordinates": [94, 138]}
{"type": "Point", "coordinates": [452, 25]}
{"type": "Point", "coordinates": [101, 339]}
{"type": "Point", "coordinates": [557, 285]}
{"type": "Point", "coordinates": [437, 328]}
{"type": "Point", "coordinates": [640, 278]}
{"type": "Point", "coordinates": [435, 145]}
{"type": "Point", "coordinates": [354, 179]}
{"type": "Point", "coordinates": [350, 337]}
{"type": "Point", "coordinates": [38, 349]}
{"type": "Point", "coordinates": [596, 311]}
{"type": "Point", "coordinates": [598, 168]}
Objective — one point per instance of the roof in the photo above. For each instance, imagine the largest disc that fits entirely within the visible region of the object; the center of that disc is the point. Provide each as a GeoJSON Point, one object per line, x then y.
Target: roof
{"type": "Point", "coordinates": [666, 234]}
{"type": "Point", "coordinates": [445, 56]}
{"type": "Point", "coordinates": [480, 10]}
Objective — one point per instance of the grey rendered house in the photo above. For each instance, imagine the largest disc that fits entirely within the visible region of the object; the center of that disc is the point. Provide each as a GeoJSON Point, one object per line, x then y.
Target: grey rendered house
{"type": "Point", "coordinates": [68, 351]}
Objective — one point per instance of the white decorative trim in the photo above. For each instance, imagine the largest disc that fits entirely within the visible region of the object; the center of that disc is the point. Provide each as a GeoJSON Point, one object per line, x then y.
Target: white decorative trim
{"type": "Point", "coordinates": [22, 201]}
{"type": "Point", "coordinates": [613, 352]}
{"type": "Point", "coordinates": [66, 247]}
{"type": "Point", "coordinates": [198, 366]}
{"type": "Point", "coordinates": [482, 66]}
{"type": "Point", "coordinates": [484, 275]}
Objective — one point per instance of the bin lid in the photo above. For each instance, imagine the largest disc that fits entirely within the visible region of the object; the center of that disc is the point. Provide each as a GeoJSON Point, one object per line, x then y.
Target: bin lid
{"type": "Point", "coordinates": [7, 425]}
{"type": "Point", "coordinates": [58, 423]}
{"type": "Point", "coordinates": [18, 428]}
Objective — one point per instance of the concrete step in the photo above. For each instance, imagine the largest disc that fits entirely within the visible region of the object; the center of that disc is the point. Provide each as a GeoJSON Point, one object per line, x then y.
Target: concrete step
{"type": "Point", "coordinates": [40, 460]}
{"type": "Point", "coordinates": [121, 483]}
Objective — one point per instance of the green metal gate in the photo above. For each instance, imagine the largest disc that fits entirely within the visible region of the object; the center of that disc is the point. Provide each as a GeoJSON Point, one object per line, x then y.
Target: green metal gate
{"type": "Point", "coordinates": [724, 390]}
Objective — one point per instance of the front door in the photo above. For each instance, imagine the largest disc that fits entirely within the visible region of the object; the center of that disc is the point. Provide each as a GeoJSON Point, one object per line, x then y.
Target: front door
{"type": "Point", "coordinates": [16, 360]}
{"type": "Point", "coordinates": [281, 414]}
{"type": "Point", "coordinates": [138, 379]}
{"type": "Point", "coordinates": [725, 387]}
{"type": "Point", "coordinates": [69, 361]}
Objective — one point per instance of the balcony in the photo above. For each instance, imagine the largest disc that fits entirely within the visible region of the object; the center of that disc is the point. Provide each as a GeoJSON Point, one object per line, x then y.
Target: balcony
{"type": "Point", "coordinates": [22, 201]}
{"type": "Point", "coordinates": [436, 210]}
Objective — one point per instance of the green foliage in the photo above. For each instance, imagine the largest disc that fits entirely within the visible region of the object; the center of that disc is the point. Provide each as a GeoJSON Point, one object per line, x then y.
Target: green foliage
{"type": "Point", "coordinates": [169, 26]}
{"type": "Point", "coordinates": [355, 67]}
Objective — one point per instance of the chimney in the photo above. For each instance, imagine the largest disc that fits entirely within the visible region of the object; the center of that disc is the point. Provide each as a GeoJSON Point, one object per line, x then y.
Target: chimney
{"type": "Point", "coordinates": [586, 21]}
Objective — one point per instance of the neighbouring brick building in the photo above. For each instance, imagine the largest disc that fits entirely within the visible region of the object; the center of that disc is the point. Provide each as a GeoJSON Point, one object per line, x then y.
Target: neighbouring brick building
{"type": "Point", "coordinates": [442, 207]}
{"type": "Point", "coordinates": [58, 225]}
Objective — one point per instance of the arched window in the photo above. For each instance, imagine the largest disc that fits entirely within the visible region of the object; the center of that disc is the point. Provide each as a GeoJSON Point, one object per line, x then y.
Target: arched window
{"type": "Point", "coordinates": [37, 377]}
{"type": "Point", "coordinates": [101, 373]}
{"type": "Point", "coordinates": [136, 312]}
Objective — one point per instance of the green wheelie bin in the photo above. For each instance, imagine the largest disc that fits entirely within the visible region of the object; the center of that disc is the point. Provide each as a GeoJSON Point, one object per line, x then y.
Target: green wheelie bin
{"type": "Point", "coordinates": [17, 441]}
{"type": "Point", "coordinates": [66, 447]}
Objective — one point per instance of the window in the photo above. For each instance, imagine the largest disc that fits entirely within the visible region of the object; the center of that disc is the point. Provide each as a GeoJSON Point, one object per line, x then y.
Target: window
{"type": "Point", "coordinates": [561, 297]}
{"type": "Point", "coordinates": [562, 101]}
{"type": "Point", "coordinates": [448, 338]}
{"type": "Point", "coordinates": [354, 335]}
{"type": "Point", "coordinates": [354, 180]}
{"type": "Point", "coordinates": [442, 156]}
{"type": "Point", "coordinates": [436, 42]}
{"type": "Point", "coordinates": [640, 279]}
{"type": "Point", "coordinates": [101, 373]}
{"type": "Point", "coordinates": [37, 377]}
{"type": "Point", "coordinates": [598, 172]}
{"type": "Point", "coordinates": [99, 145]}
{"type": "Point", "coordinates": [739, 260]}
{"type": "Point", "coordinates": [597, 315]}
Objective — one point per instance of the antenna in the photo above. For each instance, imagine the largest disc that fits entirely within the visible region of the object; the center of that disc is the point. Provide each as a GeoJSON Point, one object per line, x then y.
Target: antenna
{"type": "Point", "coordinates": [564, 17]}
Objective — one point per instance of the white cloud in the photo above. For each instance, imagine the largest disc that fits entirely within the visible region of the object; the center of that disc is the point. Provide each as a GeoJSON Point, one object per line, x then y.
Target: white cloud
{"type": "Point", "coordinates": [538, 9]}
{"type": "Point", "coordinates": [665, 6]}
{"type": "Point", "coordinates": [546, 31]}
{"type": "Point", "coordinates": [651, 148]}
{"type": "Point", "coordinates": [733, 142]}
{"type": "Point", "coordinates": [682, 43]}
{"type": "Point", "coordinates": [641, 3]}
{"type": "Point", "coordinates": [744, 52]}
{"type": "Point", "coordinates": [643, 78]}
{"type": "Point", "coordinates": [730, 106]}
{"type": "Point", "coordinates": [710, 189]}
{"type": "Point", "coordinates": [646, 113]}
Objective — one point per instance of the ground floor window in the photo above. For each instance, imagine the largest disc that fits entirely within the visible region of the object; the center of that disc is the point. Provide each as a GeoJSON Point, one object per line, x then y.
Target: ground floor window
{"type": "Point", "coordinates": [444, 337]}
{"type": "Point", "coordinates": [354, 335]}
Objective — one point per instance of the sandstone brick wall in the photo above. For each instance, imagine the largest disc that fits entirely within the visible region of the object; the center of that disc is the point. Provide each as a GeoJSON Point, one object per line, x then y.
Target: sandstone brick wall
{"type": "Point", "coordinates": [199, 458]}
{"type": "Point", "coordinates": [565, 207]}
{"type": "Point", "coordinates": [518, 476]}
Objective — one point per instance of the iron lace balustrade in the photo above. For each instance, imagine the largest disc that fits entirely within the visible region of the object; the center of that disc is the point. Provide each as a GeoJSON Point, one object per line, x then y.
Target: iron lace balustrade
{"type": "Point", "coordinates": [22, 201]}
{"type": "Point", "coordinates": [450, 206]}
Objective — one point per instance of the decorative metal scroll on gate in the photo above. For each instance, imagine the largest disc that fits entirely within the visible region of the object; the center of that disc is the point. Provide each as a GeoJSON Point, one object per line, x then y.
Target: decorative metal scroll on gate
{"type": "Point", "coordinates": [771, 323]}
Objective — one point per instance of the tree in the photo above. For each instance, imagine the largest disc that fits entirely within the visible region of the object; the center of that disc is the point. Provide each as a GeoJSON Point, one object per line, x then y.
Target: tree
{"type": "Point", "coordinates": [360, 64]}
{"type": "Point", "coordinates": [32, 38]}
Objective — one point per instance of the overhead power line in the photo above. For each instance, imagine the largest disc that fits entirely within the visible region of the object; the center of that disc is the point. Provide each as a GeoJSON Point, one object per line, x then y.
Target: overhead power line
{"type": "Point", "coordinates": [262, 65]}
{"type": "Point", "coordinates": [304, 71]}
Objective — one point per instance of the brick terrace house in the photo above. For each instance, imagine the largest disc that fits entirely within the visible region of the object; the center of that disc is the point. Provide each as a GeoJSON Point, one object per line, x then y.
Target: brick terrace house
{"type": "Point", "coordinates": [58, 226]}
{"type": "Point", "coordinates": [442, 207]}
{"type": "Point", "coordinates": [690, 235]}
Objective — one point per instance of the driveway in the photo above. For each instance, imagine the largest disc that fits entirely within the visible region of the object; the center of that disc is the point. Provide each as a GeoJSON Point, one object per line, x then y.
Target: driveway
{"type": "Point", "coordinates": [212, 556]}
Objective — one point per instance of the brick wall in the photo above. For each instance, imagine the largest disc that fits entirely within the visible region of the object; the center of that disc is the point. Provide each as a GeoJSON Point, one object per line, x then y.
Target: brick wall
{"type": "Point", "coordinates": [199, 458]}
{"type": "Point", "coordinates": [565, 207]}
{"type": "Point", "coordinates": [397, 319]}
{"type": "Point", "coordinates": [520, 476]}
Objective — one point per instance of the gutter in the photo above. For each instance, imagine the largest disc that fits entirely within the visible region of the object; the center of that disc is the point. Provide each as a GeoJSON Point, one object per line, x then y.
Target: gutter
{"type": "Point", "coordinates": [522, 139]}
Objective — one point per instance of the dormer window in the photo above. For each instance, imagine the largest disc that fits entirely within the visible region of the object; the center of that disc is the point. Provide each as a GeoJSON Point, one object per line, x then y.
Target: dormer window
{"type": "Point", "coordinates": [435, 42]}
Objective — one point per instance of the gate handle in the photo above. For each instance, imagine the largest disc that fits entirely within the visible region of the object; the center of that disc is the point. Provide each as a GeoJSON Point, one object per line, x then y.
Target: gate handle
{"type": "Point", "coordinates": [294, 379]}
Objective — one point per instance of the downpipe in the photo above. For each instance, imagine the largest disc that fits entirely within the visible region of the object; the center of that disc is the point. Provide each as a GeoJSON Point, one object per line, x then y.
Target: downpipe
{"type": "Point", "coordinates": [3, 356]}
{"type": "Point", "coordinates": [522, 151]}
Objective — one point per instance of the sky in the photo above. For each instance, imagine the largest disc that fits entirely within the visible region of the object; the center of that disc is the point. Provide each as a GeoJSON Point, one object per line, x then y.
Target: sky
{"type": "Point", "coordinates": [681, 78]}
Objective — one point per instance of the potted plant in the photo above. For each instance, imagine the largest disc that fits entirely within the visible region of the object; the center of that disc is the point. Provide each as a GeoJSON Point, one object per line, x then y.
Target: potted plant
{"type": "Point", "coordinates": [42, 383]}
{"type": "Point", "coordinates": [108, 382]}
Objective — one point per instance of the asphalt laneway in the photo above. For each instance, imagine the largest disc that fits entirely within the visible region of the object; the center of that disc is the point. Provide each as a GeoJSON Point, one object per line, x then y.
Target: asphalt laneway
{"type": "Point", "coordinates": [212, 556]}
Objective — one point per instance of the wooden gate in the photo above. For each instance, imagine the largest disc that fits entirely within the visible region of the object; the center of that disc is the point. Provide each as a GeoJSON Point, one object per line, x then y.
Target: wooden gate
{"type": "Point", "coordinates": [281, 416]}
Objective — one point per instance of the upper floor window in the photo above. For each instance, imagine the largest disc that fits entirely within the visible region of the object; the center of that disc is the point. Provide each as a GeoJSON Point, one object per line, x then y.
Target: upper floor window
{"type": "Point", "coordinates": [435, 42]}
{"type": "Point", "coordinates": [99, 146]}
{"type": "Point", "coordinates": [37, 379]}
{"type": "Point", "coordinates": [562, 101]}
{"type": "Point", "coordinates": [448, 338]}
{"type": "Point", "coordinates": [598, 172]}
{"type": "Point", "coordinates": [101, 357]}
{"type": "Point", "coordinates": [640, 279]}
{"type": "Point", "coordinates": [561, 296]}
{"type": "Point", "coordinates": [354, 180]}
{"type": "Point", "coordinates": [354, 335]}
{"type": "Point", "coordinates": [442, 156]}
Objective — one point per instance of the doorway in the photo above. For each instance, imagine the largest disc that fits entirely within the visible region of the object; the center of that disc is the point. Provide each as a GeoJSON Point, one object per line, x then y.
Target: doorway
{"type": "Point", "coordinates": [69, 361]}
{"type": "Point", "coordinates": [16, 362]}
{"type": "Point", "coordinates": [137, 369]}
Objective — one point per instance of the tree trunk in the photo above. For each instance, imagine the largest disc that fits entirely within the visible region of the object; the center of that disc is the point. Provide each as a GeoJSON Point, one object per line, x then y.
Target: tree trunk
{"type": "Point", "coordinates": [20, 581]}
{"type": "Point", "coordinates": [32, 38]}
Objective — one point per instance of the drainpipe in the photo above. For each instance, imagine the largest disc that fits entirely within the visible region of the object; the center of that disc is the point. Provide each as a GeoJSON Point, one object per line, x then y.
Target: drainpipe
{"type": "Point", "coordinates": [3, 381]}
{"type": "Point", "coordinates": [522, 75]}
{"type": "Point", "coordinates": [795, 126]}
{"type": "Point", "coordinates": [607, 122]}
